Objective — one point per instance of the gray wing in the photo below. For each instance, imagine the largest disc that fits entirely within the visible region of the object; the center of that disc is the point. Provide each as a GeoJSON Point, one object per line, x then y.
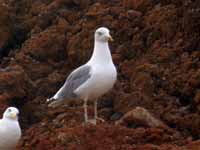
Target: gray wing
{"type": "Point", "coordinates": [74, 80]}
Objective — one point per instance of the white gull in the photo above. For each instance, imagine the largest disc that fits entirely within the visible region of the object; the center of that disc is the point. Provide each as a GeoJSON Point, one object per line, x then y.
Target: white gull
{"type": "Point", "coordinates": [91, 80]}
{"type": "Point", "coordinates": [10, 131]}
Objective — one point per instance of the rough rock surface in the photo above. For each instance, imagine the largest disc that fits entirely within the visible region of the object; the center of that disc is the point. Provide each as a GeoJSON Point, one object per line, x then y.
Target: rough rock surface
{"type": "Point", "coordinates": [140, 116]}
{"type": "Point", "coordinates": [156, 51]}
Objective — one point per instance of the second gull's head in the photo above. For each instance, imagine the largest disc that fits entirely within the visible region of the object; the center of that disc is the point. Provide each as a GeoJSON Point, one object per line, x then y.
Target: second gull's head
{"type": "Point", "coordinates": [11, 113]}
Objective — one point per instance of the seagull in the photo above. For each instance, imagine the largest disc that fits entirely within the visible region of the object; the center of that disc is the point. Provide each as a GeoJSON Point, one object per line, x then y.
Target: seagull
{"type": "Point", "coordinates": [91, 80]}
{"type": "Point", "coordinates": [10, 131]}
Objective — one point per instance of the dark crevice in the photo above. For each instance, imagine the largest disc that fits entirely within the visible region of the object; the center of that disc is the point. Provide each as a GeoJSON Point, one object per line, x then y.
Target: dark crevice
{"type": "Point", "coordinates": [18, 37]}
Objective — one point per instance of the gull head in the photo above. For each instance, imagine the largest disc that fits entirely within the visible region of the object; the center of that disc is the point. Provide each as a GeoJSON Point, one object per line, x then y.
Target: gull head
{"type": "Point", "coordinates": [102, 34]}
{"type": "Point", "coordinates": [11, 113]}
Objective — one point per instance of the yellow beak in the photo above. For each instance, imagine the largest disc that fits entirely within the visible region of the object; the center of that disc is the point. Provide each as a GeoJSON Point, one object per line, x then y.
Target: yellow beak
{"type": "Point", "coordinates": [110, 38]}
{"type": "Point", "coordinates": [14, 115]}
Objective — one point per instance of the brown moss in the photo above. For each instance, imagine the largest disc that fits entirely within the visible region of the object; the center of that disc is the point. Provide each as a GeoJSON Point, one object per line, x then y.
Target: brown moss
{"type": "Point", "coordinates": [157, 58]}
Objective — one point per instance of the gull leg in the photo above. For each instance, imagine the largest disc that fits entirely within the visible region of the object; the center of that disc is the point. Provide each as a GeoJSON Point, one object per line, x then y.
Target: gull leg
{"type": "Point", "coordinates": [85, 111]}
{"type": "Point", "coordinates": [96, 112]}
{"type": "Point", "coordinates": [94, 121]}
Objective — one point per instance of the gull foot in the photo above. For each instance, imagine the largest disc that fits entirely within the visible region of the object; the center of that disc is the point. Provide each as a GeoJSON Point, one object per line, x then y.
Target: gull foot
{"type": "Point", "coordinates": [94, 121]}
{"type": "Point", "coordinates": [100, 119]}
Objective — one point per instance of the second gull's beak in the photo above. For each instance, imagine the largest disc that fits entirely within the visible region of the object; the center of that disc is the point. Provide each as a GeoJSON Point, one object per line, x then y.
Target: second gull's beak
{"type": "Point", "coordinates": [14, 115]}
{"type": "Point", "coordinates": [110, 38]}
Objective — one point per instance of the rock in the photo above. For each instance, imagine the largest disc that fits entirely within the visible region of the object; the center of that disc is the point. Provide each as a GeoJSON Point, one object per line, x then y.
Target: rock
{"type": "Point", "coordinates": [197, 99]}
{"type": "Point", "coordinates": [16, 84]}
{"type": "Point", "coordinates": [4, 99]}
{"type": "Point", "coordinates": [82, 3]}
{"type": "Point", "coordinates": [141, 116]}
{"type": "Point", "coordinates": [132, 3]}
{"type": "Point", "coordinates": [106, 113]}
{"type": "Point", "coordinates": [116, 116]}
{"type": "Point", "coordinates": [160, 20]}
{"type": "Point", "coordinates": [105, 103]}
{"type": "Point", "coordinates": [6, 29]}
{"type": "Point", "coordinates": [156, 52]}
{"type": "Point", "coordinates": [138, 4]}
{"type": "Point", "coordinates": [47, 40]}
{"type": "Point", "coordinates": [194, 145]}
{"type": "Point", "coordinates": [134, 14]}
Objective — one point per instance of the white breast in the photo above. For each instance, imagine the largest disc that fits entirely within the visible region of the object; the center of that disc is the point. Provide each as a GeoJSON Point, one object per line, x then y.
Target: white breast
{"type": "Point", "coordinates": [102, 80]}
{"type": "Point", "coordinates": [10, 134]}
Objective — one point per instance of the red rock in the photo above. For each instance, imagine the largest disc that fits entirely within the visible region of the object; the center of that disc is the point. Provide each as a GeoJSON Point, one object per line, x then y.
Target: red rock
{"type": "Point", "coordinates": [157, 58]}
{"type": "Point", "coordinates": [132, 3]}
{"type": "Point", "coordinates": [6, 28]}
{"type": "Point", "coordinates": [138, 4]}
{"type": "Point", "coordinates": [4, 99]}
{"type": "Point", "coordinates": [194, 146]}
{"type": "Point", "coordinates": [141, 116]}
{"type": "Point", "coordinates": [15, 83]}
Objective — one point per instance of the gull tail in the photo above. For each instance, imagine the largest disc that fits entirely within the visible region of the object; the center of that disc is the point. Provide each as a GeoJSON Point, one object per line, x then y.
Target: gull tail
{"type": "Point", "coordinates": [50, 99]}
{"type": "Point", "coordinates": [52, 102]}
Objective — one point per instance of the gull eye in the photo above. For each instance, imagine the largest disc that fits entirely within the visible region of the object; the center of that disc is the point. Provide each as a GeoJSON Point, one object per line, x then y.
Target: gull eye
{"type": "Point", "coordinates": [99, 33]}
{"type": "Point", "coordinates": [9, 110]}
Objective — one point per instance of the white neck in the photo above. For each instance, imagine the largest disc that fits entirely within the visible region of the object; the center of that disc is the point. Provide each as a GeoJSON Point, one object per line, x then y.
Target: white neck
{"type": "Point", "coordinates": [9, 119]}
{"type": "Point", "coordinates": [101, 53]}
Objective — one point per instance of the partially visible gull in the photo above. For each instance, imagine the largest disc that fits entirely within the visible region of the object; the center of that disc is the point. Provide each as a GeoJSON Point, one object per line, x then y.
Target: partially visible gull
{"type": "Point", "coordinates": [91, 80]}
{"type": "Point", "coordinates": [10, 132]}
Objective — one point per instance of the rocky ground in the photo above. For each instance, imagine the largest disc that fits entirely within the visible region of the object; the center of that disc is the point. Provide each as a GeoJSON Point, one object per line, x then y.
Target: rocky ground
{"type": "Point", "coordinates": [155, 104]}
